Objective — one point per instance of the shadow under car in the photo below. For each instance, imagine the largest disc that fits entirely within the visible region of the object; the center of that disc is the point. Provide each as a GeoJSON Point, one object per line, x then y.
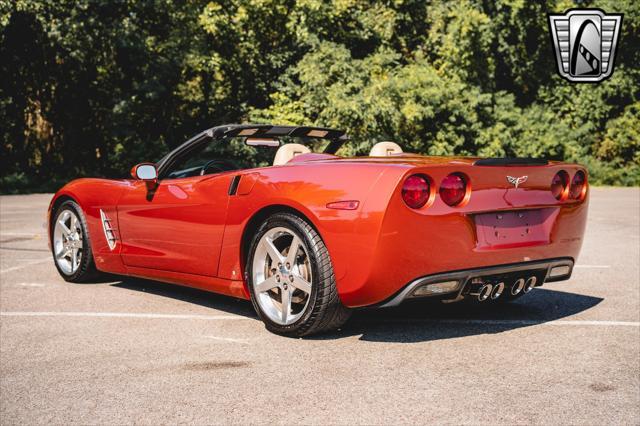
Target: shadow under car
{"type": "Point", "coordinates": [413, 321]}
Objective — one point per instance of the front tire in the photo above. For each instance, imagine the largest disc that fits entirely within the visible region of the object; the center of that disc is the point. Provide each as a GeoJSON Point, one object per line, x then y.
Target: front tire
{"type": "Point", "coordinates": [291, 279]}
{"type": "Point", "coordinates": [71, 245]}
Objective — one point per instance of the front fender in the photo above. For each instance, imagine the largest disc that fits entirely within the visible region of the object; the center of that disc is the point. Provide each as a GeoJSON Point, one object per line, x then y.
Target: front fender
{"type": "Point", "coordinates": [94, 195]}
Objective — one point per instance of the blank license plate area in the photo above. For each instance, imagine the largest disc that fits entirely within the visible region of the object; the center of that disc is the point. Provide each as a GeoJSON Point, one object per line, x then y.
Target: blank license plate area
{"type": "Point", "coordinates": [514, 228]}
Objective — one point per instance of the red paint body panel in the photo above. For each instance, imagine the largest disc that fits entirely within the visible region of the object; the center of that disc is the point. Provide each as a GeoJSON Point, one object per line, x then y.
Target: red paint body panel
{"type": "Point", "coordinates": [178, 228]}
{"type": "Point", "coordinates": [191, 231]}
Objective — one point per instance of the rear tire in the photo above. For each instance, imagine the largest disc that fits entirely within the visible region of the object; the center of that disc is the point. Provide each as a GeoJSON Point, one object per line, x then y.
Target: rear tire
{"type": "Point", "coordinates": [291, 279]}
{"type": "Point", "coordinates": [71, 244]}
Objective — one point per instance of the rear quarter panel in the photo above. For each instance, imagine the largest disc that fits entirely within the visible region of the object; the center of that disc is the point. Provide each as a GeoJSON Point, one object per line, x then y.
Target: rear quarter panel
{"type": "Point", "coordinates": [350, 235]}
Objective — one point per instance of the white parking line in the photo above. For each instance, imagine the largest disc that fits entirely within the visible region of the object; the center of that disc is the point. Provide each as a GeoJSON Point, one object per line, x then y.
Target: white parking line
{"type": "Point", "coordinates": [228, 339]}
{"type": "Point", "coordinates": [602, 323]}
{"type": "Point", "coordinates": [593, 266]}
{"type": "Point", "coordinates": [30, 284]}
{"type": "Point", "coordinates": [15, 210]}
{"type": "Point", "coordinates": [24, 265]}
{"type": "Point", "coordinates": [122, 315]}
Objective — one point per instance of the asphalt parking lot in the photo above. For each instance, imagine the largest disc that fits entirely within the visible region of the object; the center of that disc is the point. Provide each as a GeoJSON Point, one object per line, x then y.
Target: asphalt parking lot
{"type": "Point", "coordinates": [135, 351]}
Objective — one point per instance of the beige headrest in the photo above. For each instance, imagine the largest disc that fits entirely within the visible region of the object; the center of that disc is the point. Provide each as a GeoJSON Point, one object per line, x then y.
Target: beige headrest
{"type": "Point", "coordinates": [288, 151]}
{"type": "Point", "coordinates": [384, 149]}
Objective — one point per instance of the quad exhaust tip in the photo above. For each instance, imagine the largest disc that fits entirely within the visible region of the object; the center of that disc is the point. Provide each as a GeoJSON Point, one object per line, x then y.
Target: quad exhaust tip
{"type": "Point", "coordinates": [497, 291]}
{"type": "Point", "coordinates": [485, 292]}
{"type": "Point", "coordinates": [530, 284]}
{"type": "Point", "coordinates": [482, 292]}
{"type": "Point", "coordinates": [517, 287]}
{"type": "Point", "coordinates": [494, 291]}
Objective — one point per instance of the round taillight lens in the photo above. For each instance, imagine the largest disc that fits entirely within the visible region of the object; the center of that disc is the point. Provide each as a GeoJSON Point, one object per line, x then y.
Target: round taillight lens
{"type": "Point", "coordinates": [577, 185]}
{"type": "Point", "coordinates": [415, 191]}
{"type": "Point", "coordinates": [453, 189]}
{"type": "Point", "coordinates": [559, 184]}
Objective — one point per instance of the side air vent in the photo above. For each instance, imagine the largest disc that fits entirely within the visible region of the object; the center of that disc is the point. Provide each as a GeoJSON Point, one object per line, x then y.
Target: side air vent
{"type": "Point", "coordinates": [499, 162]}
{"type": "Point", "coordinates": [233, 187]}
{"type": "Point", "coordinates": [109, 230]}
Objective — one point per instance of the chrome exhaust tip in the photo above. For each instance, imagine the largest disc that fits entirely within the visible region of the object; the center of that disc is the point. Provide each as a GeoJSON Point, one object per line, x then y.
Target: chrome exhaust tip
{"type": "Point", "coordinates": [530, 284]}
{"type": "Point", "coordinates": [485, 292]}
{"type": "Point", "coordinates": [497, 291]}
{"type": "Point", "coordinates": [517, 287]}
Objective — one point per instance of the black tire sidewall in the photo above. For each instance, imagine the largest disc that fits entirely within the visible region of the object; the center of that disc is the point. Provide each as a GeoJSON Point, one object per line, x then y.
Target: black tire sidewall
{"type": "Point", "coordinates": [292, 223]}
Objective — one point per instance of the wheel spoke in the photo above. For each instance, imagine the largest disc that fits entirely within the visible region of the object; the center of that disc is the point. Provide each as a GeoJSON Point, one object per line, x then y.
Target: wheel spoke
{"type": "Point", "coordinates": [274, 253]}
{"type": "Point", "coordinates": [74, 259]}
{"type": "Point", "coordinates": [74, 222]}
{"type": "Point", "coordinates": [61, 254]}
{"type": "Point", "coordinates": [267, 284]}
{"type": "Point", "coordinates": [64, 226]}
{"type": "Point", "coordinates": [286, 305]}
{"type": "Point", "coordinates": [293, 250]}
{"type": "Point", "coordinates": [301, 284]}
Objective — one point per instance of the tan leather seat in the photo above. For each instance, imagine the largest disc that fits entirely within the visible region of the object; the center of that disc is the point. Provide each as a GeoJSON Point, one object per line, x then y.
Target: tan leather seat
{"type": "Point", "coordinates": [288, 151]}
{"type": "Point", "coordinates": [385, 149]}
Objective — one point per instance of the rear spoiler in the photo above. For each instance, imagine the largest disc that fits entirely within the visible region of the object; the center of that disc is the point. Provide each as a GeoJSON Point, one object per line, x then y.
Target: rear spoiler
{"type": "Point", "coordinates": [500, 162]}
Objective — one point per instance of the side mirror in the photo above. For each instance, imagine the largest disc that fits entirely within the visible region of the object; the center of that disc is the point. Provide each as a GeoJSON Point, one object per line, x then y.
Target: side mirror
{"type": "Point", "coordinates": [145, 171]}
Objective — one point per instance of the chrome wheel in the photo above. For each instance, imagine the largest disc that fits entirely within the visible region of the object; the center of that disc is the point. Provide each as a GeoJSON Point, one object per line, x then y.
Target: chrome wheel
{"type": "Point", "coordinates": [281, 273]}
{"type": "Point", "coordinates": [68, 241]}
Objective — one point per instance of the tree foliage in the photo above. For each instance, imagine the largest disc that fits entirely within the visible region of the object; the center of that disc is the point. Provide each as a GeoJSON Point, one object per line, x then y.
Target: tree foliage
{"type": "Point", "coordinates": [90, 87]}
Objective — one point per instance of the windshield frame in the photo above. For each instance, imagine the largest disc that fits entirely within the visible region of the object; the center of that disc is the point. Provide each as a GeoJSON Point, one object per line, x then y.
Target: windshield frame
{"type": "Point", "coordinates": [336, 139]}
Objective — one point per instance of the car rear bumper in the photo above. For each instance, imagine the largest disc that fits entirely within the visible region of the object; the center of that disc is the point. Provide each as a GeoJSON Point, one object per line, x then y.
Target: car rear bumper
{"type": "Point", "coordinates": [418, 247]}
{"type": "Point", "coordinates": [544, 271]}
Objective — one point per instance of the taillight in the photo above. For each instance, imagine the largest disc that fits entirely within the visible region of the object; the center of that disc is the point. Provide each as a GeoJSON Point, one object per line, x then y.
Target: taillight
{"type": "Point", "coordinates": [559, 185]}
{"type": "Point", "coordinates": [416, 191]}
{"type": "Point", "coordinates": [578, 185]}
{"type": "Point", "coordinates": [453, 189]}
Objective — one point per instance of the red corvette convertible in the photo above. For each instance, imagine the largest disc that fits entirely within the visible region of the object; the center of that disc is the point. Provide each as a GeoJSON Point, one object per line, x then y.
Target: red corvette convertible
{"type": "Point", "coordinates": [315, 234]}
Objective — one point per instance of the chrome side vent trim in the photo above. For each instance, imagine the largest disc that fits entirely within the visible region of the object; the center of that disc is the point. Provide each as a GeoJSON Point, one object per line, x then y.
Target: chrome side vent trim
{"type": "Point", "coordinates": [109, 230]}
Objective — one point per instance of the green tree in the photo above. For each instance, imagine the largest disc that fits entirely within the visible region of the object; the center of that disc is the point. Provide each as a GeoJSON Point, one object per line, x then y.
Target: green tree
{"type": "Point", "coordinates": [89, 87]}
